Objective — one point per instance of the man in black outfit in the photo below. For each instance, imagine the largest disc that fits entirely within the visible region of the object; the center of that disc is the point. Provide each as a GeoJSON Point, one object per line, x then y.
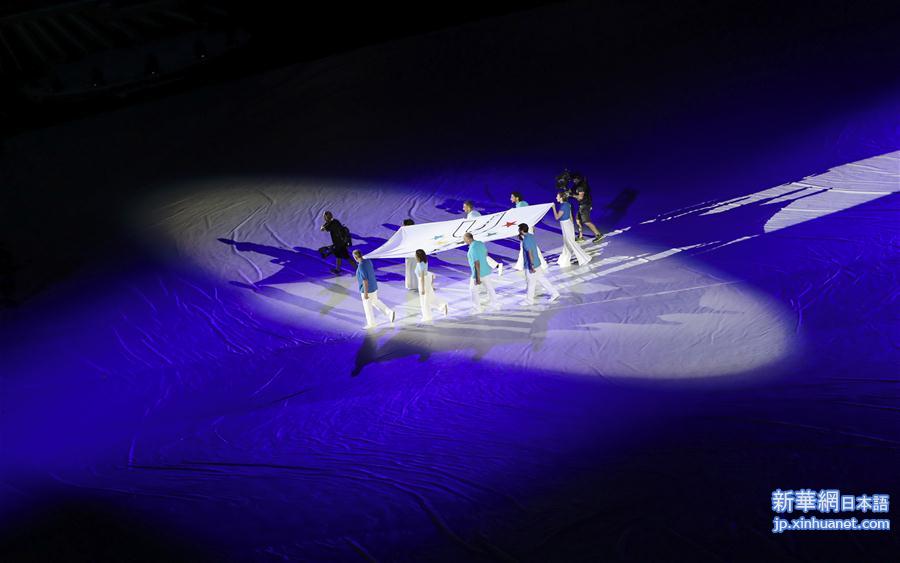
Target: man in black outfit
{"type": "Point", "coordinates": [583, 197]}
{"type": "Point", "coordinates": [339, 241]}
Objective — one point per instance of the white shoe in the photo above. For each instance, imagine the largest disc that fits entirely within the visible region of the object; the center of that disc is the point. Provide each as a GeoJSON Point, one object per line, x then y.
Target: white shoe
{"type": "Point", "coordinates": [500, 270]}
{"type": "Point", "coordinates": [445, 309]}
{"type": "Point", "coordinates": [477, 310]}
{"type": "Point", "coordinates": [393, 315]}
{"type": "Point", "coordinates": [553, 298]}
{"type": "Point", "coordinates": [369, 327]}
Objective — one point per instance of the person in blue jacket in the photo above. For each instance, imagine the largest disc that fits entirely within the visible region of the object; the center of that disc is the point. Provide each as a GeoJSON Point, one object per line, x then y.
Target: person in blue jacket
{"type": "Point", "coordinates": [533, 271]}
{"type": "Point", "coordinates": [368, 290]}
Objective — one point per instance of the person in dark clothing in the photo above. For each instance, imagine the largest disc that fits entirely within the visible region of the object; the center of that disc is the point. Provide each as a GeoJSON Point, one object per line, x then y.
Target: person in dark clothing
{"type": "Point", "coordinates": [340, 241]}
{"type": "Point", "coordinates": [583, 196]}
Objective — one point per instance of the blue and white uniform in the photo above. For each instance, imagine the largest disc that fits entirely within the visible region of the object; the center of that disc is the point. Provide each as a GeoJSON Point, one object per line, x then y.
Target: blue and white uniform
{"type": "Point", "coordinates": [493, 263]}
{"type": "Point", "coordinates": [410, 278]}
{"type": "Point", "coordinates": [530, 252]}
{"type": "Point", "coordinates": [570, 247]}
{"type": "Point", "coordinates": [478, 254]}
{"type": "Point", "coordinates": [427, 298]}
{"type": "Point", "coordinates": [533, 261]}
{"type": "Point", "coordinates": [365, 273]}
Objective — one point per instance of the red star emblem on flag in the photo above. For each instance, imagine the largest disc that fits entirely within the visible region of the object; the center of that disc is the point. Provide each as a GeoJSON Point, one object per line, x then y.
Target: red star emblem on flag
{"type": "Point", "coordinates": [510, 223]}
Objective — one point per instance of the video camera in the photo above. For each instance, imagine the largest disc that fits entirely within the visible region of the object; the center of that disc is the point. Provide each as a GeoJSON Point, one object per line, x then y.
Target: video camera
{"type": "Point", "coordinates": [563, 180]}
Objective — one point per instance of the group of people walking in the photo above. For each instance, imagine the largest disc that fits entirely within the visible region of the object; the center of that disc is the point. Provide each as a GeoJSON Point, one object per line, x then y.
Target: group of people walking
{"type": "Point", "coordinates": [482, 267]}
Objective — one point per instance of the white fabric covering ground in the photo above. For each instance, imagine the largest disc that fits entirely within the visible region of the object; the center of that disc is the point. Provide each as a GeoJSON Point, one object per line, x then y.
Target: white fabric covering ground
{"type": "Point", "coordinates": [641, 308]}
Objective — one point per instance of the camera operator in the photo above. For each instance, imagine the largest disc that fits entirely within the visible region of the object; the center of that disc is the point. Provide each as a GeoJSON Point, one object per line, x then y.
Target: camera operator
{"type": "Point", "coordinates": [582, 193]}
{"type": "Point", "coordinates": [340, 241]}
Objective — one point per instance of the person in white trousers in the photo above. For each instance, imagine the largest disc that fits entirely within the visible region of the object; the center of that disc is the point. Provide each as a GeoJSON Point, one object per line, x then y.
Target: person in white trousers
{"type": "Point", "coordinates": [570, 247]}
{"type": "Point", "coordinates": [427, 298]}
{"type": "Point", "coordinates": [481, 273]}
{"type": "Point", "coordinates": [410, 281]}
{"type": "Point", "coordinates": [533, 270]}
{"type": "Point", "coordinates": [471, 213]}
{"type": "Point", "coordinates": [368, 290]}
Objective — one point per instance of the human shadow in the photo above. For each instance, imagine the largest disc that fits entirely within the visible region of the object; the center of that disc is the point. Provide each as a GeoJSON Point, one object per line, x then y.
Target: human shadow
{"type": "Point", "coordinates": [295, 300]}
{"type": "Point", "coordinates": [369, 352]}
{"type": "Point", "coordinates": [298, 265]}
{"type": "Point", "coordinates": [617, 309]}
{"type": "Point", "coordinates": [702, 228]}
{"type": "Point", "coordinates": [478, 334]}
{"type": "Point", "coordinates": [613, 212]}
{"type": "Point", "coordinates": [713, 227]}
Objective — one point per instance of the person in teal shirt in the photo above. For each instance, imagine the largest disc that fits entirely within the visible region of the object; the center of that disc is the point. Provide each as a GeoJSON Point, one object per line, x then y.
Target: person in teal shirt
{"type": "Point", "coordinates": [481, 273]}
{"type": "Point", "coordinates": [516, 199]}
{"type": "Point", "coordinates": [472, 213]}
{"type": "Point", "coordinates": [368, 289]}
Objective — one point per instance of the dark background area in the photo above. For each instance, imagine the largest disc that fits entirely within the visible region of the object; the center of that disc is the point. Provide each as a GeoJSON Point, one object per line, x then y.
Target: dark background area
{"type": "Point", "coordinates": [40, 35]}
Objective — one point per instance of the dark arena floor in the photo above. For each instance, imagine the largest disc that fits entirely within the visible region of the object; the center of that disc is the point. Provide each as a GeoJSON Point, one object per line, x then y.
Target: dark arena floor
{"type": "Point", "coordinates": [184, 379]}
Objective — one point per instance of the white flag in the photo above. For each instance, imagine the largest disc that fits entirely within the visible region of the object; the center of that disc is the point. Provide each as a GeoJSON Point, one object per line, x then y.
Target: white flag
{"type": "Point", "coordinates": [447, 235]}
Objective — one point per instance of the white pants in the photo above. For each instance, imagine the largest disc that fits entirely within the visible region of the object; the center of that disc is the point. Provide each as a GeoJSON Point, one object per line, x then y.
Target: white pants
{"type": "Point", "coordinates": [570, 247]}
{"type": "Point", "coordinates": [486, 283]}
{"type": "Point", "coordinates": [427, 298]}
{"type": "Point", "coordinates": [539, 277]}
{"type": "Point", "coordinates": [373, 301]}
{"type": "Point", "coordinates": [412, 281]}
